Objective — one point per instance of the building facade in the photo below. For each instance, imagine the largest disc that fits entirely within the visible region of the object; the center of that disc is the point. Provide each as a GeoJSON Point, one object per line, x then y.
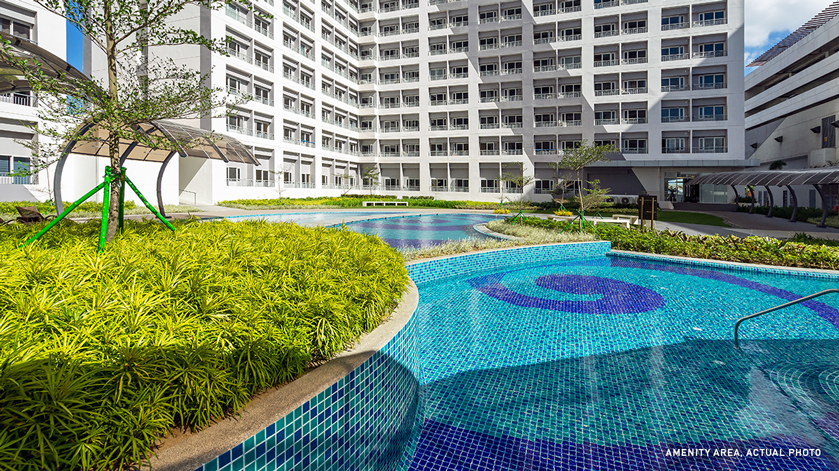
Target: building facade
{"type": "Point", "coordinates": [792, 103]}
{"type": "Point", "coordinates": [445, 98]}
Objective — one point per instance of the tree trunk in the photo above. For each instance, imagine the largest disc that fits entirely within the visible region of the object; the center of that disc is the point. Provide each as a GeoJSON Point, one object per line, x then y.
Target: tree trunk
{"type": "Point", "coordinates": [113, 140]}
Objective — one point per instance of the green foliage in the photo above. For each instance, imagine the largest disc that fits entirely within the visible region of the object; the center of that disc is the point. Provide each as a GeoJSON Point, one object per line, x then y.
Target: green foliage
{"type": "Point", "coordinates": [593, 196]}
{"type": "Point", "coordinates": [785, 212]}
{"type": "Point", "coordinates": [807, 239]}
{"type": "Point", "coordinates": [8, 207]}
{"type": "Point", "coordinates": [353, 202]}
{"type": "Point", "coordinates": [690, 218]}
{"type": "Point", "coordinates": [100, 353]}
{"type": "Point", "coordinates": [761, 250]}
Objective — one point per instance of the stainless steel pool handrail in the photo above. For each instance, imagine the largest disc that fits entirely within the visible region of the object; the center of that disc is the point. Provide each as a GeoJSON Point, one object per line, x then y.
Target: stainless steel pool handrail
{"type": "Point", "coordinates": [781, 306]}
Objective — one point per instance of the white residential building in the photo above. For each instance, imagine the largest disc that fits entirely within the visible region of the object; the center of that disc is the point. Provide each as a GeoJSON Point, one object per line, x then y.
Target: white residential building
{"type": "Point", "coordinates": [792, 105]}
{"type": "Point", "coordinates": [441, 98]}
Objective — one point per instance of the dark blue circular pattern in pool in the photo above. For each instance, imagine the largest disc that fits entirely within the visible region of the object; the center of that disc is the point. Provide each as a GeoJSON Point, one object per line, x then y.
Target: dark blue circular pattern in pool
{"type": "Point", "coordinates": [425, 230]}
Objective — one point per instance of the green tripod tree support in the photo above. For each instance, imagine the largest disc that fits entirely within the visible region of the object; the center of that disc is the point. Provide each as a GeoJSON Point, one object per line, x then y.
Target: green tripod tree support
{"type": "Point", "coordinates": [106, 184]}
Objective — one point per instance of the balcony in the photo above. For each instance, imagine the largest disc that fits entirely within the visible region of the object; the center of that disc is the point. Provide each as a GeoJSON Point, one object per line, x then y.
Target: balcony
{"type": "Point", "coordinates": [675, 119]}
{"type": "Point", "coordinates": [606, 122]}
{"type": "Point", "coordinates": [637, 60]}
{"type": "Point", "coordinates": [511, 125]}
{"type": "Point", "coordinates": [437, 26]}
{"type": "Point", "coordinates": [633, 150]}
{"type": "Point", "coordinates": [511, 71]}
{"type": "Point", "coordinates": [410, 104]}
{"type": "Point", "coordinates": [239, 55]}
{"type": "Point", "coordinates": [460, 153]}
{"type": "Point", "coordinates": [6, 179]}
{"type": "Point", "coordinates": [544, 96]}
{"type": "Point", "coordinates": [490, 152]}
{"type": "Point", "coordinates": [489, 189]}
{"type": "Point", "coordinates": [437, 52]}
{"type": "Point", "coordinates": [674, 57]}
{"type": "Point", "coordinates": [674, 88]}
{"type": "Point", "coordinates": [410, 128]}
{"type": "Point", "coordinates": [265, 135]}
{"type": "Point", "coordinates": [492, 19]}
{"type": "Point", "coordinates": [459, 75]}
{"type": "Point", "coordinates": [411, 153]}
{"type": "Point", "coordinates": [438, 103]}
{"type": "Point", "coordinates": [569, 95]}
{"type": "Point", "coordinates": [250, 182]}
{"type": "Point", "coordinates": [672, 26]}
{"type": "Point", "coordinates": [546, 124]}
{"type": "Point", "coordinates": [571, 37]}
{"type": "Point", "coordinates": [389, 105]}
{"type": "Point", "coordinates": [241, 17]}
{"type": "Point", "coordinates": [489, 73]}
{"type": "Point", "coordinates": [599, 5]}
{"type": "Point", "coordinates": [456, 50]}
{"type": "Point", "coordinates": [512, 152]}
{"type": "Point", "coordinates": [265, 66]}
{"type": "Point", "coordinates": [439, 189]}
{"type": "Point", "coordinates": [611, 63]}
{"type": "Point", "coordinates": [634, 91]}
{"type": "Point", "coordinates": [438, 127]}
{"type": "Point", "coordinates": [438, 153]}
{"type": "Point", "coordinates": [409, 55]}
{"type": "Point", "coordinates": [512, 98]}
{"type": "Point", "coordinates": [547, 12]}
{"type": "Point", "coordinates": [239, 129]}
{"type": "Point", "coordinates": [546, 152]}
{"type": "Point", "coordinates": [458, 24]}
{"type": "Point", "coordinates": [634, 30]}
{"type": "Point", "coordinates": [511, 44]}
{"type": "Point", "coordinates": [410, 79]}
{"type": "Point", "coordinates": [711, 150]}
{"type": "Point", "coordinates": [544, 68]}
{"type": "Point", "coordinates": [570, 65]}
{"type": "Point", "coordinates": [571, 124]}
{"type": "Point", "coordinates": [612, 92]}
{"type": "Point", "coordinates": [511, 17]}
{"type": "Point", "coordinates": [714, 22]}
{"type": "Point", "coordinates": [459, 101]}
{"type": "Point", "coordinates": [488, 47]}
{"type": "Point", "coordinates": [390, 32]}
{"type": "Point", "coordinates": [709, 86]}
{"type": "Point", "coordinates": [489, 99]}
{"type": "Point", "coordinates": [389, 8]}
{"type": "Point", "coordinates": [489, 126]}
{"type": "Point", "coordinates": [570, 9]}
{"type": "Point", "coordinates": [712, 117]}
{"type": "Point", "coordinates": [674, 150]}
{"type": "Point", "coordinates": [410, 30]}
{"type": "Point", "coordinates": [708, 54]}
{"type": "Point", "coordinates": [389, 81]}
{"type": "Point", "coordinates": [634, 121]}
{"type": "Point", "coordinates": [606, 34]}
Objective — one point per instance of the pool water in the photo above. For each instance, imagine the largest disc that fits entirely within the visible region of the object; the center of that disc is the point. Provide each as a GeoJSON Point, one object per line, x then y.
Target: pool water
{"type": "Point", "coordinates": [423, 230]}
{"type": "Point", "coordinates": [625, 363]}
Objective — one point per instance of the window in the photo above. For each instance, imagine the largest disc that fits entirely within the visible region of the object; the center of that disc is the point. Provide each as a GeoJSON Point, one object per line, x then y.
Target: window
{"type": "Point", "coordinates": [604, 57]}
{"type": "Point", "coordinates": [711, 113]}
{"type": "Point", "coordinates": [512, 39]}
{"type": "Point", "coordinates": [234, 174]}
{"type": "Point", "coordinates": [572, 117]}
{"type": "Point", "coordinates": [673, 145]}
{"type": "Point", "coordinates": [672, 115]}
{"type": "Point", "coordinates": [489, 43]}
{"type": "Point", "coordinates": [513, 121]}
{"type": "Point", "coordinates": [460, 46]}
{"type": "Point", "coordinates": [512, 13]}
{"type": "Point", "coordinates": [512, 67]}
{"type": "Point", "coordinates": [489, 69]}
{"type": "Point", "coordinates": [542, 37]}
{"type": "Point", "coordinates": [639, 56]}
{"type": "Point", "coordinates": [512, 94]}
{"type": "Point", "coordinates": [712, 17]}
{"type": "Point", "coordinates": [672, 20]}
{"type": "Point", "coordinates": [569, 34]}
{"type": "Point", "coordinates": [712, 50]}
{"type": "Point", "coordinates": [438, 98]}
{"type": "Point", "coordinates": [488, 96]}
{"type": "Point", "coordinates": [635, 116]}
{"type": "Point", "coordinates": [640, 84]}
{"type": "Point", "coordinates": [543, 9]}
{"type": "Point", "coordinates": [438, 48]}
{"type": "Point", "coordinates": [635, 24]}
{"type": "Point", "coordinates": [263, 176]}
{"type": "Point", "coordinates": [672, 83]}
{"type": "Point", "coordinates": [637, 146]}
{"type": "Point", "coordinates": [711, 144]}
{"type": "Point", "coordinates": [608, 116]}
{"type": "Point", "coordinates": [548, 90]}
{"type": "Point", "coordinates": [437, 74]}
{"type": "Point", "coordinates": [567, 145]}
{"type": "Point", "coordinates": [828, 132]}
{"type": "Point", "coordinates": [571, 62]}
{"type": "Point", "coordinates": [545, 119]}
{"type": "Point", "coordinates": [16, 28]}
{"type": "Point", "coordinates": [460, 97]}
{"type": "Point", "coordinates": [459, 20]}
{"type": "Point", "coordinates": [234, 85]}
{"type": "Point", "coordinates": [711, 81]}
{"type": "Point", "coordinates": [488, 17]}
{"type": "Point", "coordinates": [460, 72]}
{"type": "Point", "coordinates": [489, 122]}
{"type": "Point", "coordinates": [610, 29]}
{"type": "Point", "coordinates": [570, 89]}
{"type": "Point", "coordinates": [604, 87]}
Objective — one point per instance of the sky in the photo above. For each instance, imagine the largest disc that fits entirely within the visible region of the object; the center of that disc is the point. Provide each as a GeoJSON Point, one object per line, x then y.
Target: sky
{"type": "Point", "coordinates": [769, 21]}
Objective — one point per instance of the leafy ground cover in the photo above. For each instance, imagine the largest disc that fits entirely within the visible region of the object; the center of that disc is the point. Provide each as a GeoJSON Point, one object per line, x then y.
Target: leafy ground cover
{"type": "Point", "coordinates": [88, 209]}
{"type": "Point", "coordinates": [355, 202]}
{"type": "Point", "coordinates": [100, 353]}
{"type": "Point", "coordinates": [761, 250]}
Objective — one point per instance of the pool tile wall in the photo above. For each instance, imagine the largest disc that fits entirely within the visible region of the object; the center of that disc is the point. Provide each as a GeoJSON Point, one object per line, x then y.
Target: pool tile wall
{"type": "Point", "coordinates": [361, 423]}
{"type": "Point", "coordinates": [436, 270]}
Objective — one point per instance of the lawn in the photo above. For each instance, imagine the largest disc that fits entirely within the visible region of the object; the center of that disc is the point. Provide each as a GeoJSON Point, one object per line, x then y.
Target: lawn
{"type": "Point", "coordinates": [691, 218]}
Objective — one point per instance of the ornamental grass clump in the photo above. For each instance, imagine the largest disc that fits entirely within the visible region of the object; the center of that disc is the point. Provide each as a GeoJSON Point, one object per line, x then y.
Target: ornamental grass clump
{"type": "Point", "coordinates": [101, 353]}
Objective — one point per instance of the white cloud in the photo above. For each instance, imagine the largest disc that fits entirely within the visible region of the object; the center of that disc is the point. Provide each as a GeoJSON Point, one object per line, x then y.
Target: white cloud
{"type": "Point", "coordinates": [763, 17]}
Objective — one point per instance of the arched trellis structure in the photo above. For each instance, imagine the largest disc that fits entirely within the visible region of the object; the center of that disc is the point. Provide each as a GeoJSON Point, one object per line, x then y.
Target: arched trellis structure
{"type": "Point", "coordinates": [188, 141]}
{"type": "Point", "coordinates": [780, 178]}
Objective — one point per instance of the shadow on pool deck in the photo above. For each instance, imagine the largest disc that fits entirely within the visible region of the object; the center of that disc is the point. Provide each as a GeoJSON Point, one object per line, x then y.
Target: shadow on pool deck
{"type": "Point", "coordinates": [626, 410]}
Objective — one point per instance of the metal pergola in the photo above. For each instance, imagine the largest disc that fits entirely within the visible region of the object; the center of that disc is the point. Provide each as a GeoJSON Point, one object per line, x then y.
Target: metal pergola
{"type": "Point", "coordinates": [766, 178]}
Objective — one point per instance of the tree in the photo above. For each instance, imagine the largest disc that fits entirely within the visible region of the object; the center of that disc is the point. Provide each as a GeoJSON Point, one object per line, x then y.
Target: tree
{"type": "Point", "coordinates": [370, 177]}
{"type": "Point", "coordinates": [579, 158]}
{"type": "Point", "coordinates": [593, 196]}
{"type": "Point", "coordinates": [137, 88]}
{"type": "Point", "coordinates": [777, 165]}
{"type": "Point", "coordinates": [520, 180]}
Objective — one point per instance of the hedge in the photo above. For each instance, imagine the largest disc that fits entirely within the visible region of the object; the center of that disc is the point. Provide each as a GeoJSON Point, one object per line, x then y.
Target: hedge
{"type": "Point", "coordinates": [100, 354]}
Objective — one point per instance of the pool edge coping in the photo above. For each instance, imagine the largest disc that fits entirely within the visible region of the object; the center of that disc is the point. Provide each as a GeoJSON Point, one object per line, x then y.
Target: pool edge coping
{"type": "Point", "coordinates": [191, 451]}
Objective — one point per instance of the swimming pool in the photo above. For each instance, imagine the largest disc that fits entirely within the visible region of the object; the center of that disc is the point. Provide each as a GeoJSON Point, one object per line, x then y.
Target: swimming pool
{"type": "Point", "coordinates": [622, 362]}
{"type": "Point", "coordinates": [423, 230]}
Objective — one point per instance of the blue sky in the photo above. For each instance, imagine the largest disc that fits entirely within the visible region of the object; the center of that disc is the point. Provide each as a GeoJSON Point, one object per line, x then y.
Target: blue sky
{"type": "Point", "coordinates": [769, 21]}
{"type": "Point", "coordinates": [74, 46]}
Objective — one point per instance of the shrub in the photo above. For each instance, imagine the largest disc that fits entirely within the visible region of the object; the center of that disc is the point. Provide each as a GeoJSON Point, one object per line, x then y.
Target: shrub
{"type": "Point", "coordinates": [762, 250]}
{"type": "Point", "coordinates": [785, 212]}
{"type": "Point", "coordinates": [101, 353]}
{"type": "Point", "coordinates": [8, 207]}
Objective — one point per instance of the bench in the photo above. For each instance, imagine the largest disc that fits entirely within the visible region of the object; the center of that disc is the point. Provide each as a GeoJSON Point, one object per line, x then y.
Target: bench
{"type": "Point", "coordinates": [622, 222]}
{"type": "Point", "coordinates": [561, 218]}
{"type": "Point", "coordinates": [621, 217]}
{"type": "Point", "coordinates": [384, 203]}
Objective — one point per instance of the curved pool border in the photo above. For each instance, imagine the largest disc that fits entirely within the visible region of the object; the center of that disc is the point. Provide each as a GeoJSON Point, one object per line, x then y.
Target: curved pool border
{"type": "Point", "coordinates": [308, 424]}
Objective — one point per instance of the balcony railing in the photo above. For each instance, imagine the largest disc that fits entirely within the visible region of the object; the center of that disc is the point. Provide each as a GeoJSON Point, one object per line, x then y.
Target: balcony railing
{"type": "Point", "coordinates": [547, 12]}
{"type": "Point", "coordinates": [571, 9]}
{"type": "Point", "coordinates": [489, 73]}
{"type": "Point", "coordinates": [546, 124]}
{"type": "Point", "coordinates": [489, 99]}
{"type": "Point", "coordinates": [490, 152]}
{"type": "Point", "coordinates": [489, 189]}
{"type": "Point", "coordinates": [570, 124]}
{"type": "Point", "coordinates": [19, 99]}
{"type": "Point", "coordinates": [637, 60]}
{"type": "Point", "coordinates": [544, 96]}
{"type": "Point", "coordinates": [711, 150]}
{"type": "Point", "coordinates": [606, 122]}
{"type": "Point", "coordinates": [489, 126]}
{"type": "Point", "coordinates": [634, 91]}
{"type": "Point", "coordinates": [511, 17]}
{"type": "Point", "coordinates": [265, 135]}
{"type": "Point", "coordinates": [511, 44]}
{"type": "Point", "coordinates": [569, 95]}
{"type": "Point", "coordinates": [633, 150]}
{"type": "Point", "coordinates": [512, 125]}
{"type": "Point", "coordinates": [511, 98]}
{"type": "Point", "coordinates": [544, 68]}
{"type": "Point", "coordinates": [674, 150]}
{"type": "Point", "coordinates": [437, 26]}
{"type": "Point", "coordinates": [641, 30]}
{"type": "Point", "coordinates": [5, 179]}
{"type": "Point", "coordinates": [488, 47]}
{"type": "Point", "coordinates": [458, 24]}
{"type": "Point", "coordinates": [607, 63]}
{"type": "Point", "coordinates": [675, 119]}
{"type": "Point", "coordinates": [674, 57]}
{"type": "Point", "coordinates": [250, 182]}
{"type": "Point", "coordinates": [714, 22]}
{"type": "Point", "coordinates": [606, 34]}
{"type": "Point", "coordinates": [611, 4]}
{"type": "Point", "coordinates": [512, 152]}
{"type": "Point", "coordinates": [438, 102]}
{"type": "Point", "coordinates": [571, 37]}
{"type": "Point", "coordinates": [492, 19]}
{"type": "Point", "coordinates": [709, 86]}
{"type": "Point", "coordinates": [459, 101]}
{"type": "Point", "coordinates": [672, 26]}
{"type": "Point", "coordinates": [612, 92]}
{"type": "Point", "coordinates": [712, 117]}
{"type": "Point", "coordinates": [707, 54]}
{"type": "Point", "coordinates": [439, 153]}
{"type": "Point", "coordinates": [239, 129]}
{"type": "Point", "coordinates": [438, 127]}
{"type": "Point", "coordinates": [634, 121]}
{"type": "Point", "coordinates": [546, 152]}
{"type": "Point", "coordinates": [239, 55]}
{"type": "Point", "coordinates": [674, 88]}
